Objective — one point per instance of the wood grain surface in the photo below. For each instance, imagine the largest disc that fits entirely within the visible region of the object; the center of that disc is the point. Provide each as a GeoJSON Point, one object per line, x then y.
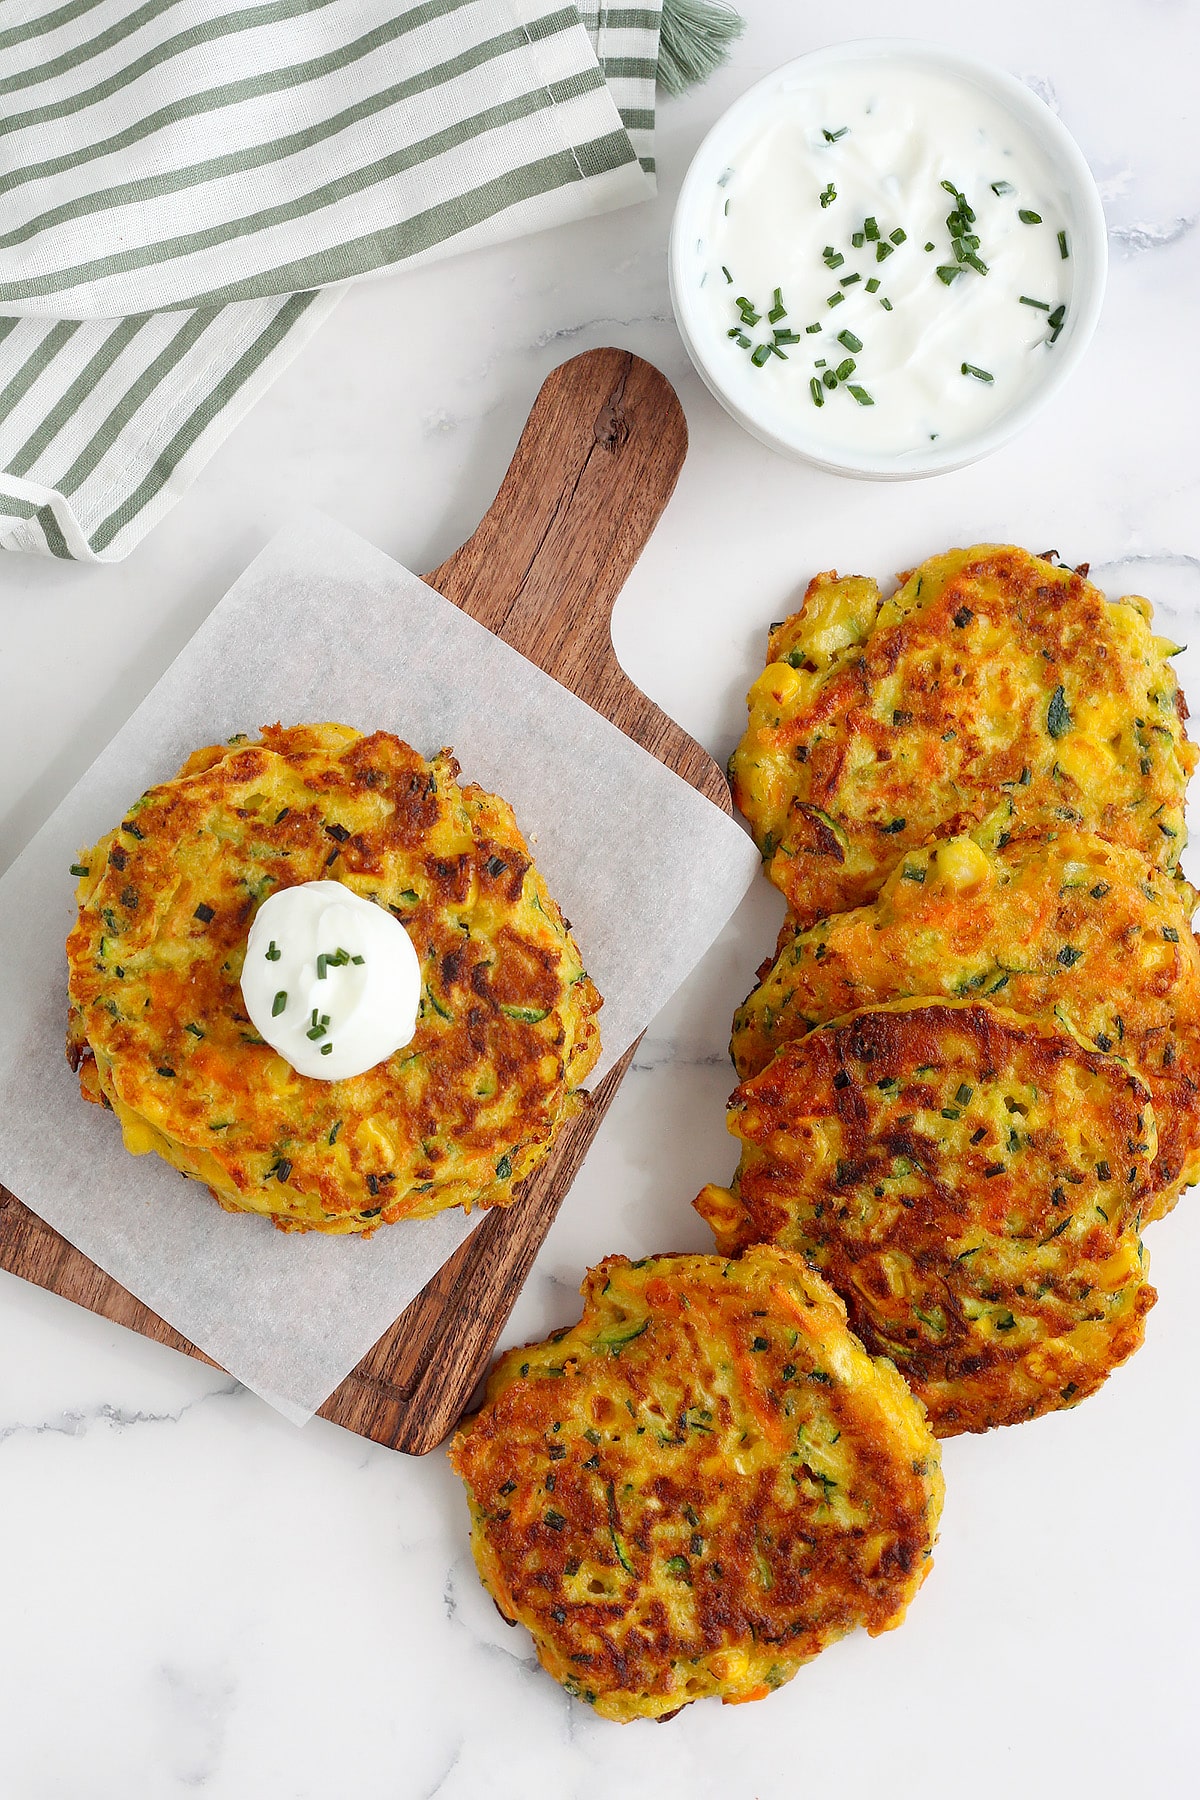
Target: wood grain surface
{"type": "Point", "coordinates": [595, 466]}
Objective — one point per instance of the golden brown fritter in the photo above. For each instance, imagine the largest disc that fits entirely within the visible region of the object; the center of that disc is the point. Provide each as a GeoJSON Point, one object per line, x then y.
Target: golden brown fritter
{"type": "Point", "coordinates": [701, 1485]}
{"type": "Point", "coordinates": [1071, 929]}
{"type": "Point", "coordinates": [991, 675]}
{"type": "Point", "coordinates": [506, 1032]}
{"type": "Point", "coordinates": [971, 1183]}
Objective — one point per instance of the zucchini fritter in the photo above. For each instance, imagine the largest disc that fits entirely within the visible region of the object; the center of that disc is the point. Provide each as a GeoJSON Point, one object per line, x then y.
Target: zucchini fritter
{"type": "Point", "coordinates": [506, 1032]}
{"type": "Point", "coordinates": [991, 673]}
{"type": "Point", "coordinates": [971, 1183]}
{"type": "Point", "coordinates": [701, 1485]}
{"type": "Point", "coordinates": [1069, 928]}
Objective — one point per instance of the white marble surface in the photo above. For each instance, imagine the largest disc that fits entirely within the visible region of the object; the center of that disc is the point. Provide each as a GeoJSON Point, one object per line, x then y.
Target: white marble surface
{"type": "Point", "coordinates": [197, 1598]}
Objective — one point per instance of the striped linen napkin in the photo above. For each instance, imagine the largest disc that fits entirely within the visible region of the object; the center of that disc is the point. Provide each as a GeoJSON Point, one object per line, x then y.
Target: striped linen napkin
{"type": "Point", "coordinates": [187, 187]}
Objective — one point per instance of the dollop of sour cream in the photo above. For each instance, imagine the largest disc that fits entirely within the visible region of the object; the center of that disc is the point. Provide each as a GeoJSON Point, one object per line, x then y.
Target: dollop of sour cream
{"type": "Point", "coordinates": [887, 258]}
{"type": "Point", "coordinates": [331, 981]}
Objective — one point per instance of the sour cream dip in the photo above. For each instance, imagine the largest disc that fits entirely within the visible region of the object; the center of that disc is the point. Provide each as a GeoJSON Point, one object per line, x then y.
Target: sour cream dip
{"type": "Point", "coordinates": [883, 257]}
{"type": "Point", "coordinates": [330, 980]}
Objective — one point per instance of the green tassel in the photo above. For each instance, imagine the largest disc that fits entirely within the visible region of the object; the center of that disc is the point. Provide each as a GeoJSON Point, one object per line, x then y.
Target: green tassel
{"type": "Point", "coordinates": [695, 39]}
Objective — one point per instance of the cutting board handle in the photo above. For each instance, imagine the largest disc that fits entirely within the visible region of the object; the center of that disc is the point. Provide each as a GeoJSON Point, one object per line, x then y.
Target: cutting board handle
{"type": "Point", "coordinates": [595, 466]}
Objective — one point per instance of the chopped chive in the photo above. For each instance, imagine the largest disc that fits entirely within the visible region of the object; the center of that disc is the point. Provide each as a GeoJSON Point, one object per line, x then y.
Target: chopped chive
{"type": "Point", "coordinates": [948, 272]}
{"type": "Point", "coordinates": [787, 337]}
{"type": "Point", "coordinates": [857, 239]}
{"type": "Point", "coordinates": [979, 374]}
{"type": "Point", "coordinates": [849, 280]}
{"type": "Point", "coordinates": [831, 137]}
{"type": "Point", "coordinates": [774, 350]}
{"type": "Point", "coordinates": [873, 285]}
{"type": "Point", "coordinates": [760, 355]}
{"type": "Point", "coordinates": [811, 328]}
{"type": "Point", "coordinates": [1000, 188]}
{"type": "Point", "coordinates": [79, 869]}
{"type": "Point", "coordinates": [828, 195]}
{"type": "Point", "coordinates": [743, 342]}
{"type": "Point", "coordinates": [358, 959]}
{"type": "Point", "coordinates": [726, 274]}
{"type": "Point", "coordinates": [322, 965]}
{"type": "Point", "coordinates": [885, 303]}
{"type": "Point", "coordinates": [974, 262]}
{"type": "Point", "coordinates": [898, 236]}
{"type": "Point", "coordinates": [861, 395]}
{"type": "Point", "coordinates": [870, 230]}
{"type": "Point", "coordinates": [273, 951]}
{"type": "Point", "coordinates": [817, 392]}
{"type": "Point", "coordinates": [1042, 305]}
{"type": "Point", "coordinates": [845, 369]}
{"type": "Point", "coordinates": [830, 379]}
{"type": "Point", "coordinates": [835, 299]}
{"type": "Point", "coordinates": [820, 363]}
{"type": "Point", "coordinates": [279, 1002]}
{"type": "Point", "coordinates": [833, 259]}
{"type": "Point", "coordinates": [326, 1049]}
{"type": "Point", "coordinates": [778, 309]}
{"type": "Point", "coordinates": [929, 246]}
{"type": "Point", "coordinates": [1062, 246]}
{"type": "Point", "coordinates": [851, 343]}
{"type": "Point", "coordinates": [1029, 218]}
{"type": "Point", "coordinates": [883, 251]}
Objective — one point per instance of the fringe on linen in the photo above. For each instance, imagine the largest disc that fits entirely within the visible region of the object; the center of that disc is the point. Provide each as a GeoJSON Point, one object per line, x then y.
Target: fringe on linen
{"type": "Point", "coordinates": [696, 37]}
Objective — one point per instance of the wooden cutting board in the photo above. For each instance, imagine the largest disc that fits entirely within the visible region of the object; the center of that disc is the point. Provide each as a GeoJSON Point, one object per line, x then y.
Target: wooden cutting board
{"type": "Point", "coordinates": [595, 466]}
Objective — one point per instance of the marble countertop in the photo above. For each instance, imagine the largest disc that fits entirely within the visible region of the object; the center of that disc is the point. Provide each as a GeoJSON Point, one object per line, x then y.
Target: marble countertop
{"type": "Point", "coordinates": [198, 1598]}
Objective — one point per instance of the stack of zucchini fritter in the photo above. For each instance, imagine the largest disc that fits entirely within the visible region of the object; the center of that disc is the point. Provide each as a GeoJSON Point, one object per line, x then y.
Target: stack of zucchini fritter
{"type": "Point", "coordinates": [972, 795]}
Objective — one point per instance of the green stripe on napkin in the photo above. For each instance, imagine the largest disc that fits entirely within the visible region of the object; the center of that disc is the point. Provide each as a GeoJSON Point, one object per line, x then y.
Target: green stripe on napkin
{"type": "Point", "coordinates": [185, 188]}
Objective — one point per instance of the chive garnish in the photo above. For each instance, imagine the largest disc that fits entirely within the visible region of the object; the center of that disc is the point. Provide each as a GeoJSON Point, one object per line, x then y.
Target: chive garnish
{"type": "Point", "coordinates": [885, 303]}
{"type": "Point", "coordinates": [979, 374]}
{"type": "Point", "coordinates": [358, 959]}
{"type": "Point", "coordinates": [1029, 218]}
{"type": "Point", "coordinates": [1042, 305]}
{"type": "Point", "coordinates": [870, 230]}
{"type": "Point", "coordinates": [830, 379]}
{"type": "Point", "coordinates": [1055, 322]}
{"type": "Point", "coordinates": [273, 951]}
{"type": "Point", "coordinates": [326, 1049]}
{"type": "Point", "coordinates": [828, 195]}
{"type": "Point", "coordinates": [79, 869]}
{"type": "Point", "coordinates": [817, 392]}
{"type": "Point", "coordinates": [849, 280]}
{"type": "Point", "coordinates": [1000, 188]}
{"type": "Point", "coordinates": [883, 251]}
{"type": "Point", "coordinates": [787, 337]}
{"type": "Point", "coordinates": [861, 395]}
{"type": "Point", "coordinates": [835, 299]}
{"type": "Point", "coordinates": [760, 355]}
{"type": "Point", "coordinates": [898, 236]}
{"type": "Point", "coordinates": [857, 239]}
{"type": "Point", "coordinates": [279, 1002]}
{"type": "Point", "coordinates": [850, 341]}
{"type": "Point", "coordinates": [833, 259]}
{"type": "Point", "coordinates": [726, 274]}
{"type": "Point", "coordinates": [845, 369]}
{"type": "Point", "coordinates": [811, 328]}
{"type": "Point", "coordinates": [929, 246]}
{"type": "Point", "coordinates": [873, 285]}
{"type": "Point", "coordinates": [1062, 246]}
{"type": "Point", "coordinates": [778, 309]}
{"type": "Point", "coordinates": [948, 272]}
{"type": "Point", "coordinates": [831, 137]}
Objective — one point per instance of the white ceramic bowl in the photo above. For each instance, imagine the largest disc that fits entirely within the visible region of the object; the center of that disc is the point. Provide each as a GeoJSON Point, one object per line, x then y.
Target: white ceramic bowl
{"type": "Point", "coordinates": [1084, 221]}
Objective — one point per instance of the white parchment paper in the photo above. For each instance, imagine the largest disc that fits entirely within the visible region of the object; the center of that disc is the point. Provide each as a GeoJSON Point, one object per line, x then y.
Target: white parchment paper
{"type": "Point", "coordinates": [323, 626]}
